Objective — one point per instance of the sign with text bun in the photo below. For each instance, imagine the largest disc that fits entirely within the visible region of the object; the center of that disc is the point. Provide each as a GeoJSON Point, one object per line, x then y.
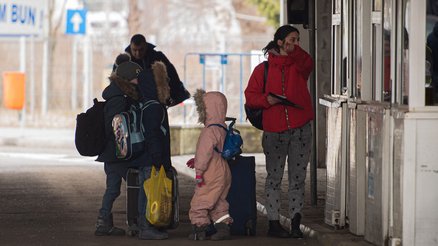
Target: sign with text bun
{"type": "Point", "coordinates": [21, 18]}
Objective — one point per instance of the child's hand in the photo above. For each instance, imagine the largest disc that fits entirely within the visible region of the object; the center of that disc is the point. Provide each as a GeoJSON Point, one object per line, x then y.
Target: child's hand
{"type": "Point", "coordinates": [191, 163]}
{"type": "Point", "coordinates": [199, 180]}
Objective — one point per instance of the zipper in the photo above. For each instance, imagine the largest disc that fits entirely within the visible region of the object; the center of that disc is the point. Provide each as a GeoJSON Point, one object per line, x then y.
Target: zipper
{"type": "Point", "coordinates": [284, 94]}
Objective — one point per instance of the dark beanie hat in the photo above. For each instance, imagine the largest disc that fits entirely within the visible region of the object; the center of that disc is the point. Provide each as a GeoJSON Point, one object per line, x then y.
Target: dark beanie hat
{"type": "Point", "coordinates": [128, 70]}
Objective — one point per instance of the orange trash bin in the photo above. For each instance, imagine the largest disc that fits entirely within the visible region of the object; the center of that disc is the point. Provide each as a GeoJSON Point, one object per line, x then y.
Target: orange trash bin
{"type": "Point", "coordinates": [14, 90]}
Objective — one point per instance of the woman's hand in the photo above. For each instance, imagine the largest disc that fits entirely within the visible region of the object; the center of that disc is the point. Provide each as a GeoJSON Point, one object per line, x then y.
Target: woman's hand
{"type": "Point", "coordinates": [272, 100]}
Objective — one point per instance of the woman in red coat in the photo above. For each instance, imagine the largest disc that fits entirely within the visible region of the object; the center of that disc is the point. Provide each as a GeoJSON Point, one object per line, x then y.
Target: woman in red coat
{"type": "Point", "coordinates": [287, 132]}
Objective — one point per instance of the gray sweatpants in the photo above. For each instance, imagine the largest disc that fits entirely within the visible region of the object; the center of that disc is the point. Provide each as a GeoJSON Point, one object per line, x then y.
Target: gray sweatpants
{"type": "Point", "coordinates": [295, 144]}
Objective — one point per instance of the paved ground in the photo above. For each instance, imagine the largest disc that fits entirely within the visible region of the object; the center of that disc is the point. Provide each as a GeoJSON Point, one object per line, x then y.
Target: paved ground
{"type": "Point", "coordinates": [50, 196]}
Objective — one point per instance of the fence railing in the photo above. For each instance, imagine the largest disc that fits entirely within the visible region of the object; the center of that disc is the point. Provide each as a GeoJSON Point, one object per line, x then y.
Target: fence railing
{"type": "Point", "coordinates": [228, 67]}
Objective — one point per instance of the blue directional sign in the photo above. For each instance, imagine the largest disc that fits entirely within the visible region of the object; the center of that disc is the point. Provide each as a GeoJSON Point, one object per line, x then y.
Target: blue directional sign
{"type": "Point", "coordinates": [76, 21]}
{"type": "Point", "coordinates": [202, 59]}
{"type": "Point", "coordinates": [224, 59]}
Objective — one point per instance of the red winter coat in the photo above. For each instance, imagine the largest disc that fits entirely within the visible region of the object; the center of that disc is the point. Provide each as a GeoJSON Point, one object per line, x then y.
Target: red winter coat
{"type": "Point", "coordinates": [295, 68]}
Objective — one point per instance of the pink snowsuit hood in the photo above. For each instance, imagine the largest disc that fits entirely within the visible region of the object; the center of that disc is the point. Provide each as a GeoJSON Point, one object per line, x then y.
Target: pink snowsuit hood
{"type": "Point", "coordinates": [211, 107]}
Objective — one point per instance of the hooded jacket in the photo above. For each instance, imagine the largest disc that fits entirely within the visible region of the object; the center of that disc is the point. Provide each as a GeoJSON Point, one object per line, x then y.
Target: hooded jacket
{"type": "Point", "coordinates": [153, 85]}
{"type": "Point", "coordinates": [177, 93]}
{"type": "Point", "coordinates": [287, 76]}
{"type": "Point", "coordinates": [119, 95]}
{"type": "Point", "coordinates": [212, 109]}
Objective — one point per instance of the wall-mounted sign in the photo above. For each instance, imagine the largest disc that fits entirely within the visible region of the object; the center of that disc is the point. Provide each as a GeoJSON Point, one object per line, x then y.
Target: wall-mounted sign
{"type": "Point", "coordinates": [21, 18]}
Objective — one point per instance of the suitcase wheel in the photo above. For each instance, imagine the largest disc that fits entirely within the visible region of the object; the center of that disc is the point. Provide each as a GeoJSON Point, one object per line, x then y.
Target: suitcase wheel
{"type": "Point", "coordinates": [250, 229]}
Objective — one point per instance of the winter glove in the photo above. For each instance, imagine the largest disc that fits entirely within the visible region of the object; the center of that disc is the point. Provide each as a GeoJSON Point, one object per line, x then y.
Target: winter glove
{"type": "Point", "coordinates": [199, 180]}
{"type": "Point", "coordinates": [191, 163]}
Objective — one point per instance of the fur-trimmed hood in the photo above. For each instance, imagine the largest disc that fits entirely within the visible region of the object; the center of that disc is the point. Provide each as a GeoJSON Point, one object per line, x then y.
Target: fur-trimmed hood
{"type": "Point", "coordinates": [122, 86]}
{"type": "Point", "coordinates": [211, 107]}
{"type": "Point", "coordinates": [154, 83]}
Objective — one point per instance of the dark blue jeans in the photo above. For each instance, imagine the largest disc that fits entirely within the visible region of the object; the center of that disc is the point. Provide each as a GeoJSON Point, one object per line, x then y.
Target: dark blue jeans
{"type": "Point", "coordinates": [144, 173]}
{"type": "Point", "coordinates": [115, 172]}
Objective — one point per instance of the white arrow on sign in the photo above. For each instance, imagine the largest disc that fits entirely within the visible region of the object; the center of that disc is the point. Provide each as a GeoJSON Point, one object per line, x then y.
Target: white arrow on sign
{"type": "Point", "coordinates": [76, 19]}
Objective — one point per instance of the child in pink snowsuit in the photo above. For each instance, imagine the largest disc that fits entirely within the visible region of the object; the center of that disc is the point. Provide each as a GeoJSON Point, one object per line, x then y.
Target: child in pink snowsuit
{"type": "Point", "coordinates": [213, 176]}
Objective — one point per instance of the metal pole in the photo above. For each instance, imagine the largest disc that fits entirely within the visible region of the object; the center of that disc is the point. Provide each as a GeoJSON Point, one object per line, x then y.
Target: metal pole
{"type": "Point", "coordinates": [185, 82]}
{"type": "Point", "coordinates": [203, 76]}
{"type": "Point", "coordinates": [45, 63]}
{"type": "Point", "coordinates": [282, 12]}
{"type": "Point", "coordinates": [74, 87]}
{"type": "Point", "coordinates": [32, 75]}
{"type": "Point", "coordinates": [90, 71]}
{"type": "Point", "coordinates": [241, 88]}
{"type": "Point", "coordinates": [45, 76]}
{"type": "Point", "coordinates": [314, 91]}
{"type": "Point", "coordinates": [222, 89]}
{"type": "Point", "coordinates": [22, 114]}
{"type": "Point", "coordinates": [86, 73]}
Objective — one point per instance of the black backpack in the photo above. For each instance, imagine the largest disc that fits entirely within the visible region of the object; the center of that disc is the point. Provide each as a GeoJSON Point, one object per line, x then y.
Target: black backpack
{"type": "Point", "coordinates": [255, 115]}
{"type": "Point", "coordinates": [90, 137]}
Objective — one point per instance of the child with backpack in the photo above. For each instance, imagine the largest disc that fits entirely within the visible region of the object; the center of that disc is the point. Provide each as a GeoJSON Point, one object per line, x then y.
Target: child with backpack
{"type": "Point", "coordinates": [119, 94]}
{"type": "Point", "coordinates": [154, 86]}
{"type": "Point", "coordinates": [213, 176]}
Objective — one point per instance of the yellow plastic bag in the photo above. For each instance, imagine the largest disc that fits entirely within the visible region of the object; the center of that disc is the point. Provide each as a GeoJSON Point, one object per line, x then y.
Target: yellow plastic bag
{"type": "Point", "coordinates": [158, 190]}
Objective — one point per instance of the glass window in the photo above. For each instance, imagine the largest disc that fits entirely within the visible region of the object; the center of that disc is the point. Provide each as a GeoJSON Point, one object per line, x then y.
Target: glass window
{"type": "Point", "coordinates": [337, 48]}
{"type": "Point", "coordinates": [387, 27]}
{"type": "Point", "coordinates": [405, 57]}
{"type": "Point", "coordinates": [431, 73]}
{"type": "Point", "coordinates": [377, 5]}
{"type": "Point", "coordinates": [377, 57]}
{"type": "Point", "coordinates": [337, 6]}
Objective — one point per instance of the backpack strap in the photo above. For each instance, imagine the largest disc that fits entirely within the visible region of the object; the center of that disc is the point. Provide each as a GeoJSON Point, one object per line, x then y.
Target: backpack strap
{"type": "Point", "coordinates": [219, 125]}
{"type": "Point", "coordinates": [223, 127]}
{"type": "Point", "coordinates": [144, 106]}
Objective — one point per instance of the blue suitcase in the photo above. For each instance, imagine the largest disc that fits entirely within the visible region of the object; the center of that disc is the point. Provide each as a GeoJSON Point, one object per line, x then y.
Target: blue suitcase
{"type": "Point", "coordinates": [242, 196]}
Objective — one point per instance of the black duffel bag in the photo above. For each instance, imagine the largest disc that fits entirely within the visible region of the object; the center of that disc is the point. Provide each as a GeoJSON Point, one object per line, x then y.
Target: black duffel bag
{"type": "Point", "coordinates": [255, 116]}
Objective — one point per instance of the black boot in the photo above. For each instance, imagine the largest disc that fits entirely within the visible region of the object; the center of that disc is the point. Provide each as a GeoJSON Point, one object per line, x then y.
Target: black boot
{"type": "Point", "coordinates": [276, 230]}
{"type": "Point", "coordinates": [105, 227]}
{"type": "Point", "coordinates": [198, 233]}
{"type": "Point", "coordinates": [223, 232]}
{"type": "Point", "coordinates": [149, 232]}
{"type": "Point", "coordinates": [295, 226]}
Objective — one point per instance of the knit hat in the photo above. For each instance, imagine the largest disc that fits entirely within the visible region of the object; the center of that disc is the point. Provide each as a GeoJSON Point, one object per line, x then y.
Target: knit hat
{"type": "Point", "coordinates": [128, 70]}
{"type": "Point", "coordinates": [121, 58]}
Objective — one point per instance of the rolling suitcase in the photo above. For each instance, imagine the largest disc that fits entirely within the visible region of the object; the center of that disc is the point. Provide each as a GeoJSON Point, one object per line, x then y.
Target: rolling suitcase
{"type": "Point", "coordinates": [132, 189]}
{"type": "Point", "coordinates": [242, 196]}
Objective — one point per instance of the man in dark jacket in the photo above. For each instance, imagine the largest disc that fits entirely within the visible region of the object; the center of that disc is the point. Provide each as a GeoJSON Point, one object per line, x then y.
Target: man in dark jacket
{"type": "Point", "coordinates": [119, 95]}
{"type": "Point", "coordinates": [144, 54]}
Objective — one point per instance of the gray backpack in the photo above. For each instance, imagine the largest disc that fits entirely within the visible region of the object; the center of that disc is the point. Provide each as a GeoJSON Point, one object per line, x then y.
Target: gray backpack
{"type": "Point", "coordinates": [129, 131]}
